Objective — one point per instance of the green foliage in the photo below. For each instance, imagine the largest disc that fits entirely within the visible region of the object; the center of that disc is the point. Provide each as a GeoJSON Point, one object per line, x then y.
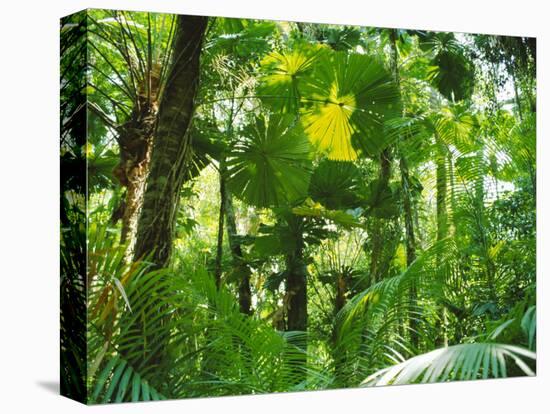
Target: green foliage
{"type": "Point", "coordinates": [382, 199]}
{"type": "Point", "coordinates": [451, 70]}
{"type": "Point", "coordinates": [459, 362]}
{"type": "Point", "coordinates": [237, 354]}
{"type": "Point", "coordinates": [340, 39]}
{"type": "Point", "coordinates": [453, 75]}
{"type": "Point", "coordinates": [281, 237]}
{"type": "Point", "coordinates": [324, 162]}
{"type": "Point", "coordinates": [285, 71]}
{"type": "Point", "coordinates": [270, 165]}
{"type": "Point", "coordinates": [242, 37]}
{"type": "Point", "coordinates": [335, 184]}
{"type": "Point", "coordinates": [118, 382]}
{"type": "Point", "coordinates": [341, 218]}
{"type": "Point", "coordinates": [349, 98]}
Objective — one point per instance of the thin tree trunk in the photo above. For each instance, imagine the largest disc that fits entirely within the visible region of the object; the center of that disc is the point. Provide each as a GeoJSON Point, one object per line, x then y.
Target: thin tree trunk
{"type": "Point", "coordinates": [340, 354]}
{"type": "Point", "coordinates": [452, 181]}
{"type": "Point", "coordinates": [245, 295]}
{"type": "Point", "coordinates": [297, 288]}
{"type": "Point", "coordinates": [377, 257]}
{"type": "Point", "coordinates": [410, 240]}
{"type": "Point", "coordinates": [516, 95]}
{"type": "Point", "coordinates": [442, 223]}
{"type": "Point", "coordinates": [484, 237]}
{"type": "Point", "coordinates": [296, 291]}
{"type": "Point", "coordinates": [171, 148]}
{"type": "Point", "coordinates": [221, 217]}
{"type": "Point", "coordinates": [441, 200]}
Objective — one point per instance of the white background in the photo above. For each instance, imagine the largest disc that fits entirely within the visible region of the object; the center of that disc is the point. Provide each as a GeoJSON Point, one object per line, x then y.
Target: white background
{"type": "Point", "coordinates": [29, 210]}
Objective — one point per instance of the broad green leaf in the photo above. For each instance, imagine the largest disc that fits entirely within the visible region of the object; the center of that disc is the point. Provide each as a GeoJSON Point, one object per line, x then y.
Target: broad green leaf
{"type": "Point", "coordinates": [270, 165]}
{"type": "Point", "coordinates": [342, 218]}
{"type": "Point", "coordinates": [347, 100]}
{"type": "Point", "coordinates": [102, 378]}
{"type": "Point", "coordinates": [136, 386]}
{"type": "Point", "coordinates": [283, 73]}
{"type": "Point", "coordinates": [122, 387]}
{"type": "Point", "coordinates": [335, 184]}
{"type": "Point", "coordinates": [145, 391]}
{"type": "Point", "coordinates": [114, 381]}
{"type": "Point", "coordinates": [452, 73]}
{"type": "Point", "coordinates": [529, 325]}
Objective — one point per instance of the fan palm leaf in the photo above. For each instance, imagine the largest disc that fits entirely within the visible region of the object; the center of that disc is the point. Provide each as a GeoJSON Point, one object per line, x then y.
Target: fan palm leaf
{"type": "Point", "coordinates": [335, 184]}
{"type": "Point", "coordinates": [452, 73]}
{"type": "Point", "coordinates": [270, 166]}
{"type": "Point", "coordinates": [348, 99]}
{"type": "Point", "coordinates": [284, 71]}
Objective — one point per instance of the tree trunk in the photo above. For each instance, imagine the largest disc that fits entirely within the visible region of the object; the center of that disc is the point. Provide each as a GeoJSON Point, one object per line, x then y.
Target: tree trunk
{"type": "Point", "coordinates": [378, 259]}
{"type": "Point", "coordinates": [442, 223]}
{"type": "Point", "coordinates": [340, 354]}
{"type": "Point", "coordinates": [245, 295]}
{"type": "Point", "coordinates": [408, 213]}
{"type": "Point", "coordinates": [296, 293]}
{"type": "Point", "coordinates": [135, 143]}
{"type": "Point", "coordinates": [171, 148]}
{"type": "Point", "coordinates": [516, 95]}
{"type": "Point", "coordinates": [404, 169]}
{"type": "Point", "coordinates": [441, 199]}
{"type": "Point", "coordinates": [297, 288]}
{"type": "Point", "coordinates": [221, 217]}
{"type": "Point", "coordinates": [170, 152]}
{"type": "Point", "coordinates": [410, 240]}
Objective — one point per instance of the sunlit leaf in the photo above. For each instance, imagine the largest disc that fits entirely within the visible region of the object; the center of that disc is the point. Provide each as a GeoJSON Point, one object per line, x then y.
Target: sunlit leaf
{"type": "Point", "coordinates": [283, 73]}
{"type": "Point", "coordinates": [347, 101]}
{"type": "Point", "coordinates": [458, 362]}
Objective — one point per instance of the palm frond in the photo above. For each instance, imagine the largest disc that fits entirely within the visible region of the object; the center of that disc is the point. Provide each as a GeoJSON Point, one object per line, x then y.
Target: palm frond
{"type": "Point", "coordinates": [529, 326]}
{"type": "Point", "coordinates": [458, 362]}
{"type": "Point", "coordinates": [335, 184]}
{"type": "Point", "coordinates": [284, 71]}
{"type": "Point", "coordinates": [270, 165]}
{"type": "Point", "coordinates": [347, 102]}
{"type": "Point", "coordinates": [119, 382]}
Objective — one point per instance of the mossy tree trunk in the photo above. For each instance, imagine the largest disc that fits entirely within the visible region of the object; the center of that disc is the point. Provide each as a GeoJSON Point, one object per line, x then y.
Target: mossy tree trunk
{"type": "Point", "coordinates": [171, 149]}
{"type": "Point", "coordinates": [170, 153]}
{"type": "Point", "coordinates": [135, 143]}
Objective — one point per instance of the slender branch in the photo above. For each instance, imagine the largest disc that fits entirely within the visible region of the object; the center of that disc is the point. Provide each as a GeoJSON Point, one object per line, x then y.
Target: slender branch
{"type": "Point", "coordinates": [101, 114]}
{"type": "Point", "coordinates": [112, 82]}
{"type": "Point", "coordinates": [115, 103]}
{"type": "Point", "coordinates": [128, 89]}
{"type": "Point", "coordinates": [132, 38]}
